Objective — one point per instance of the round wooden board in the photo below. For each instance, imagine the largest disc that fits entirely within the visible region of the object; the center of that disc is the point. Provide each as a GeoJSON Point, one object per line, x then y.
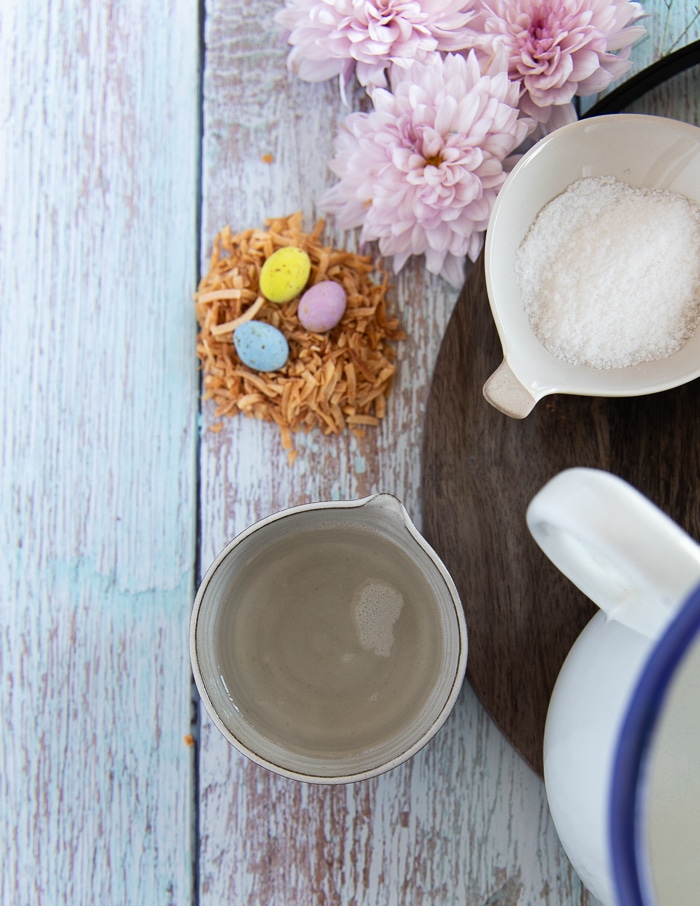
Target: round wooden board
{"type": "Point", "coordinates": [481, 469]}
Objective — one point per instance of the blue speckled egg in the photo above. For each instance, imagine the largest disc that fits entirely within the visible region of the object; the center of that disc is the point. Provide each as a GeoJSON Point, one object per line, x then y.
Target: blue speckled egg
{"type": "Point", "coordinates": [261, 346]}
{"type": "Point", "coordinates": [322, 306]}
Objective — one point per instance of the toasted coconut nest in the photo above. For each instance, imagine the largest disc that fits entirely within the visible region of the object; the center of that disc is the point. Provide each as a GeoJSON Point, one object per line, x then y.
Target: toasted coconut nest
{"type": "Point", "coordinates": [335, 381]}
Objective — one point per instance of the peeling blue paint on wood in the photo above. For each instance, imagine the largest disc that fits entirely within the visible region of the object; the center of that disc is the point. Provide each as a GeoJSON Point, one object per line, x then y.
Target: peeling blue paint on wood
{"type": "Point", "coordinates": [99, 174]}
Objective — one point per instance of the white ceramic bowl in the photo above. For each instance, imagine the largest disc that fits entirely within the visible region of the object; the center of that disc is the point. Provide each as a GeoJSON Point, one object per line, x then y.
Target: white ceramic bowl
{"type": "Point", "coordinates": [637, 149]}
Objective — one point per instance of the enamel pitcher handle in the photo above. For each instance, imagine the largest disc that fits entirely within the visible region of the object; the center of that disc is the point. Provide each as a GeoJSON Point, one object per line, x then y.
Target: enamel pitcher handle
{"type": "Point", "coordinates": [626, 555]}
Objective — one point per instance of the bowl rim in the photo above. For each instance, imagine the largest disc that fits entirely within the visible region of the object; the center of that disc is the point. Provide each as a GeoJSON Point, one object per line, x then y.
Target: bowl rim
{"type": "Point", "coordinates": [550, 374]}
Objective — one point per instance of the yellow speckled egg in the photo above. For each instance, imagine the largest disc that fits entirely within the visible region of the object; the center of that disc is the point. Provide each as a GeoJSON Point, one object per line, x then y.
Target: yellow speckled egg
{"type": "Point", "coordinates": [284, 275]}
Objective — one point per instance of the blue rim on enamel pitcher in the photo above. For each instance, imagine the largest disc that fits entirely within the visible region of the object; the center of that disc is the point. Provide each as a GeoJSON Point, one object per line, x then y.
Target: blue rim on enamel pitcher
{"type": "Point", "coordinates": [627, 800]}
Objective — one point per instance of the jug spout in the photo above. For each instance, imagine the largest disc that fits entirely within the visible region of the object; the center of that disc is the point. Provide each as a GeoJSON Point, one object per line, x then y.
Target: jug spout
{"type": "Point", "coordinates": [387, 510]}
{"type": "Point", "coordinates": [388, 504]}
{"type": "Point", "coordinates": [389, 516]}
{"type": "Point", "coordinates": [621, 550]}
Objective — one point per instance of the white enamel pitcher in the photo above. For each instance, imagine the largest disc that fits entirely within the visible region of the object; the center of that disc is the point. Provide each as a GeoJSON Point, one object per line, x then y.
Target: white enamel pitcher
{"type": "Point", "coordinates": [622, 737]}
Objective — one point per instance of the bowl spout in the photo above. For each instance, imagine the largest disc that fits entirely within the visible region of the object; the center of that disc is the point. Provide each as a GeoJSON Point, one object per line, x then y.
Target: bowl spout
{"type": "Point", "coordinates": [505, 393]}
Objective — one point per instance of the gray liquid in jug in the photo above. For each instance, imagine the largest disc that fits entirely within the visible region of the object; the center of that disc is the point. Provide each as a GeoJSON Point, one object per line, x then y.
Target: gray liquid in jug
{"type": "Point", "coordinates": [334, 640]}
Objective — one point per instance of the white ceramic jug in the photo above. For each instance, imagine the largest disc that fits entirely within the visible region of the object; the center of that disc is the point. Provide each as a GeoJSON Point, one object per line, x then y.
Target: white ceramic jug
{"type": "Point", "coordinates": [622, 738]}
{"type": "Point", "coordinates": [328, 641]}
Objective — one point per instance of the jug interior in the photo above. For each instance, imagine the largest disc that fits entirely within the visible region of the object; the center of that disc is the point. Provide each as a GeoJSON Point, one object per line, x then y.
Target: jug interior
{"type": "Point", "coordinates": [327, 639]}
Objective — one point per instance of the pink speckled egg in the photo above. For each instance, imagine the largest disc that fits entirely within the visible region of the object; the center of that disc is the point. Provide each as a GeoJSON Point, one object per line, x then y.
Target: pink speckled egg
{"type": "Point", "coordinates": [322, 306]}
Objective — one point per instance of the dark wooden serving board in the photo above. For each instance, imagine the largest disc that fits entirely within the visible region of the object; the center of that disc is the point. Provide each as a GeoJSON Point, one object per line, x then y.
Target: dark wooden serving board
{"type": "Point", "coordinates": [481, 469]}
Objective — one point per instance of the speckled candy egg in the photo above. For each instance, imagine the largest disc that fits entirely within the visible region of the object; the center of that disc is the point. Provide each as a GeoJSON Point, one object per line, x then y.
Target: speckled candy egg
{"type": "Point", "coordinates": [261, 346]}
{"type": "Point", "coordinates": [322, 306]}
{"type": "Point", "coordinates": [284, 274]}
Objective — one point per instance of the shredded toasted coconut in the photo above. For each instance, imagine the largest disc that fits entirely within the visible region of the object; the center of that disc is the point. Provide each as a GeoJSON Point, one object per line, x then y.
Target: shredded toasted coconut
{"type": "Point", "coordinates": [334, 381]}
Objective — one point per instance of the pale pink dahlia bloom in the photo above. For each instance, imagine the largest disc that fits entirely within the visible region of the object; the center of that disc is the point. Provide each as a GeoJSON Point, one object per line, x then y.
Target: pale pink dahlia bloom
{"type": "Point", "coordinates": [559, 48]}
{"type": "Point", "coordinates": [333, 37]}
{"type": "Point", "coordinates": [420, 173]}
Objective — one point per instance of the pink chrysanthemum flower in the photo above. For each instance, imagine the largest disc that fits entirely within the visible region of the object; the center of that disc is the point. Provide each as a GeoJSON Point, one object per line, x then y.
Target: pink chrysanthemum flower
{"type": "Point", "coordinates": [333, 37]}
{"type": "Point", "coordinates": [420, 173]}
{"type": "Point", "coordinates": [559, 48]}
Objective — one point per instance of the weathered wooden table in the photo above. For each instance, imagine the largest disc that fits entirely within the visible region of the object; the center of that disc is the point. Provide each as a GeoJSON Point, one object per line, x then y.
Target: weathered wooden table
{"type": "Point", "coordinates": [130, 134]}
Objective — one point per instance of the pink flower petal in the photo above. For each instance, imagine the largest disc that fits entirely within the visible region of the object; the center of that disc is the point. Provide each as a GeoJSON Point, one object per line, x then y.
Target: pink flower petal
{"type": "Point", "coordinates": [558, 48]}
{"type": "Point", "coordinates": [372, 34]}
{"type": "Point", "coordinates": [426, 163]}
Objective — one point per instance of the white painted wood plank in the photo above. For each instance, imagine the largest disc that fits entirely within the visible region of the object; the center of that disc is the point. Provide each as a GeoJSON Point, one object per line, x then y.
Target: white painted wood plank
{"type": "Point", "coordinates": [98, 201]}
{"type": "Point", "coordinates": [466, 821]}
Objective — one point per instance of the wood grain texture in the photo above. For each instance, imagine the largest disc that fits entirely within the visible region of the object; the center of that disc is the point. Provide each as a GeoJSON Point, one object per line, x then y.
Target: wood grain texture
{"type": "Point", "coordinates": [480, 471]}
{"type": "Point", "coordinates": [98, 194]}
{"type": "Point", "coordinates": [466, 821]}
{"type": "Point", "coordinates": [99, 484]}
{"type": "Point", "coordinates": [521, 611]}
